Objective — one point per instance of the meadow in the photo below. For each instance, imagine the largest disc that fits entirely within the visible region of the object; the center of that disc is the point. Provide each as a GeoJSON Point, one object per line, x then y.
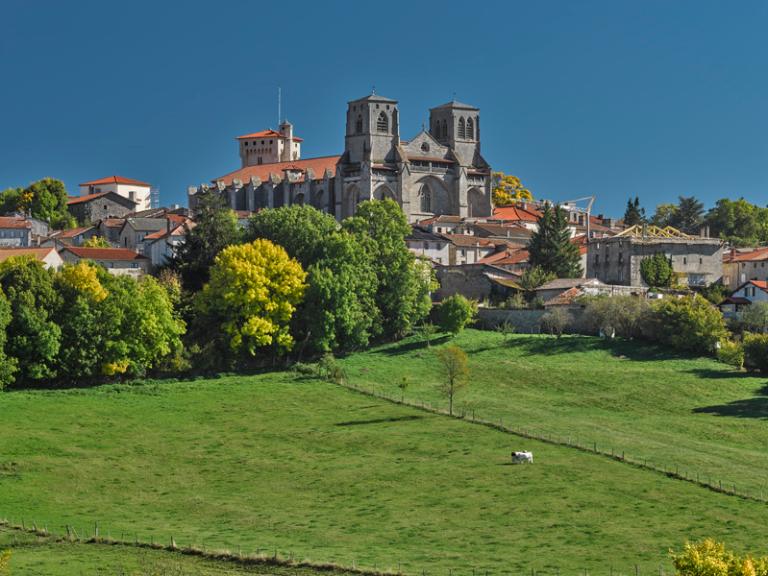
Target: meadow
{"type": "Point", "coordinates": [691, 414]}
{"type": "Point", "coordinates": [291, 464]}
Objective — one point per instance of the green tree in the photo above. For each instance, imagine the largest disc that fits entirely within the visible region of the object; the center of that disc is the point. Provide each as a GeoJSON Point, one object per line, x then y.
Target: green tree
{"type": "Point", "coordinates": [33, 337]}
{"type": "Point", "coordinates": [12, 200]}
{"type": "Point", "coordinates": [665, 215]}
{"type": "Point", "coordinates": [755, 317]}
{"type": "Point", "coordinates": [252, 294]}
{"type": "Point", "coordinates": [555, 321]}
{"type": "Point", "coordinates": [45, 200]}
{"type": "Point", "coordinates": [657, 271]}
{"type": "Point", "coordinates": [550, 246]}
{"type": "Point", "coordinates": [689, 324]}
{"type": "Point", "coordinates": [534, 277]}
{"type": "Point", "coordinates": [455, 366]}
{"type": "Point", "coordinates": [88, 327]}
{"type": "Point", "coordinates": [738, 222]}
{"type": "Point", "coordinates": [402, 294]}
{"type": "Point", "coordinates": [689, 215]}
{"type": "Point", "coordinates": [8, 364]}
{"type": "Point", "coordinates": [339, 309]}
{"type": "Point", "coordinates": [619, 315]}
{"type": "Point", "coordinates": [455, 313]}
{"type": "Point", "coordinates": [634, 214]}
{"type": "Point", "coordinates": [216, 228]}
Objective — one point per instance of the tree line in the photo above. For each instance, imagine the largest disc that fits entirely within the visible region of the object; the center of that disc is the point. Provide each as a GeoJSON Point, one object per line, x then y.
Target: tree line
{"type": "Point", "coordinates": [738, 222]}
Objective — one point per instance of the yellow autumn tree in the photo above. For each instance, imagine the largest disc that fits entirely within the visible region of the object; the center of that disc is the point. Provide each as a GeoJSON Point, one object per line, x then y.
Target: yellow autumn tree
{"type": "Point", "coordinates": [5, 562]}
{"type": "Point", "coordinates": [711, 558]}
{"type": "Point", "coordinates": [83, 278]}
{"type": "Point", "coordinates": [508, 189]}
{"type": "Point", "coordinates": [96, 242]}
{"type": "Point", "coordinates": [252, 294]}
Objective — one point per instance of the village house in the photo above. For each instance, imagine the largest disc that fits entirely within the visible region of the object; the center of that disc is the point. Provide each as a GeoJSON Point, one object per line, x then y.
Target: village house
{"type": "Point", "coordinates": [464, 249]}
{"type": "Point", "coordinates": [161, 246]}
{"type": "Point", "coordinates": [92, 208]}
{"type": "Point", "coordinates": [134, 230]}
{"type": "Point", "coordinates": [71, 237]}
{"type": "Point", "coordinates": [748, 293]}
{"type": "Point", "coordinates": [697, 261]}
{"type": "Point", "coordinates": [739, 266]}
{"type": "Point", "coordinates": [134, 190]}
{"type": "Point", "coordinates": [48, 256]}
{"type": "Point", "coordinates": [15, 231]}
{"type": "Point", "coordinates": [446, 224]}
{"type": "Point", "coordinates": [117, 261]}
{"type": "Point", "coordinates": [434, 247]}
{"type": "Point", "coordinates": [480, 282]}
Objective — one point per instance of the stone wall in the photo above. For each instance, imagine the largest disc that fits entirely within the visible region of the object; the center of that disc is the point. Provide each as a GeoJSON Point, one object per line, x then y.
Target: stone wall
{"type": "Point", "coordinates": [524, 321]}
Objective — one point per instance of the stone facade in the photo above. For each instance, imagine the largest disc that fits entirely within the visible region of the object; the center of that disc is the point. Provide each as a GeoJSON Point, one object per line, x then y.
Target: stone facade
{"type": "Point", "coordinates": [438, 172]}
{"type": "Point", "coordinates": [616, 260]}
{"type": "Point", "coordinates": [96, 207]}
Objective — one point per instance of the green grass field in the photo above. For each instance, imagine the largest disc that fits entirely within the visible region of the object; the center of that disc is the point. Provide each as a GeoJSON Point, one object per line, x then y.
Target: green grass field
{"type": "Point", "coordinates": [33, 555]}
{"type": "Point", "coordinates": [693, 413]}
{"type": "Point", "coordinates": [318, 472]}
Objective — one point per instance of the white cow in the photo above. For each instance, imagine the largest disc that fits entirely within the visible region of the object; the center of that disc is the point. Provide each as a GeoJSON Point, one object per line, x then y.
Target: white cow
{"type": "Point", "coordinates": [522, 457]}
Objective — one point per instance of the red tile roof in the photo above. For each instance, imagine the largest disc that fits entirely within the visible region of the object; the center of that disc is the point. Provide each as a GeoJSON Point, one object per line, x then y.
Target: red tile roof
{"type": "Point", "coordinates": [104, 253]}
{"type": "Point", "coordinates": [267, 134]}
{"type": "Point", "coordinates": [470, 241]}
{"type": "Point", "coordinates": [72, 232]}
{"type": "Point", "coordinates": [16, 222]}
{"type": "Point", "coordinates": [753, 255]}
{"type": "Point", "coordinates": [36, 253]}
{"type": "Point", "coordinates": [762, 284]}
{"type": "Point", "coordinates": [507, 257]}
{"type": "Point", "coordinates": [516, 214]}
{"type": "Point", "coordinates": [113, 222]}
{"type": "Point", "coordinates": [115, 180]}
{"type": "Point", "coordinates": [87, 198]}
{"type": "Point", "coordinates": [262, 171]}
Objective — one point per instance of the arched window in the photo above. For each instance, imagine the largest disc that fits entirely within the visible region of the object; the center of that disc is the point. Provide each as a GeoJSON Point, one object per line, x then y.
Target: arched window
{"type": "Point", "coordinates": [462, 130]}
{"type": "Point", "coordinates": [299, 199]}
{"type": "Point", "coordinates": [359, 124]}
{"type": "Point", "coordinates": [382, 124]}
{"type": "Point", "coordinates": [425, 199]}
{"type": "Point", "coordinates": [445, 129]}
{"type": "Point", "coordinates": [470, 129]}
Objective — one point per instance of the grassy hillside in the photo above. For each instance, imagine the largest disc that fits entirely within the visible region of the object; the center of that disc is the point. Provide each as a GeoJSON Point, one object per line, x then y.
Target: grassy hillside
{"type": "Point", "coordinates": [33, 556]}
{"type": "Point", "coordinates": [693, 413]}
{"type": "Point", "coordinates": [322, 473]}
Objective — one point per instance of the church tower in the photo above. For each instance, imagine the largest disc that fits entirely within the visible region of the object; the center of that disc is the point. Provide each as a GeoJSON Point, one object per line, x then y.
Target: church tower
{"type": "Point", "coordinates": [457, 126]}
{"type": "Point", "coordinates": [373, 129]}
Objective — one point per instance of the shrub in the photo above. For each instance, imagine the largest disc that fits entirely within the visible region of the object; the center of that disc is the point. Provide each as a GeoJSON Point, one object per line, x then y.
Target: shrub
{"type": "Point", "coordinates": [5, 560]}
{"type": "Point", "coordinates": [506, 329]}
{"type": "Point", "coordinates": [535, 277]}
{"type": "Point", "coordinates": [731, 353]}
{"type": "Point", "coordinates": [710, 558]}
{"type": "Point", "coordinates": [329, 369]}
{"type": "Point", "coordinates": [756, 352]}
{"type": "Point", "coordinates": [656, 271]}
{"type": "Point", "coordinates": [537, 303]}
{"type": "Point", "coordinates": [555, 321]}
{"type": "Point", "coordinates": [689, 324]}
{"type": "Point", "coordinates": [622, 314]}
{"type": "Point", "coordinates": [455, 313]}
{"type": "Point", "coordinates": [754, 318]}
{"type": "Point", "coordinates": [515, 302]}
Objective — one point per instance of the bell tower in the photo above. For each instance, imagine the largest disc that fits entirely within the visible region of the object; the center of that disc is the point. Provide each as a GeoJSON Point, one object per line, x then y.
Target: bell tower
{"type": "Point", "coordinates": [457, 125]}
{"type": "Point", "coordinates": [373, 129]}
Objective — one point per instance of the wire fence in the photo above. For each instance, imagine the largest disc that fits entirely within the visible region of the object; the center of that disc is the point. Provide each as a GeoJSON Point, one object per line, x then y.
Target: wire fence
{"type": "Point", "coordinates": [671, 471]}
{"type": "Point", "coordinates": [95, 534]}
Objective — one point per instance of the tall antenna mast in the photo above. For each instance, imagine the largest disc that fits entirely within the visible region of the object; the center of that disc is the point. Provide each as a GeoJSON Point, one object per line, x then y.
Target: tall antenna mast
{"type": "Point", "coordinates": [279, 104]}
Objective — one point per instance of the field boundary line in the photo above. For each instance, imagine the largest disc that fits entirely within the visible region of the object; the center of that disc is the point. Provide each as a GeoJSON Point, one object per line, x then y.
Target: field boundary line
{"type": "Point", "coordinates": [215, 554]}
{"type": "Point", "coordinates": [552, 439]}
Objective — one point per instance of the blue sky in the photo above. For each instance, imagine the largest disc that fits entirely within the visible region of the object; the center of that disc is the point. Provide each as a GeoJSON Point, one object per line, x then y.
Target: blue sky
{"type": "Point", "coordinates": [611, 98]}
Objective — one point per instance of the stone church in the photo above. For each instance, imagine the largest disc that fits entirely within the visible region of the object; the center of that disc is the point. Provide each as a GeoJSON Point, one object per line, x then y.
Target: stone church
{"type": "Point", "coordinates": [439, 171]}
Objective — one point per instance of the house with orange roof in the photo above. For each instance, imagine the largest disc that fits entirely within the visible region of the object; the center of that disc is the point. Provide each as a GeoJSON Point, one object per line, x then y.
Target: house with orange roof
{"type": "Point", "coordinates": [742, 265]}
{"type": "Point", "coordinates": [117, 261]}
{"type": "Point", "coordinates": [71, 237]}
{"type": "Point", "coordinates": [15, 231]}
{"type": "Point", "coordinates": [92, 208]}
{"type": "Point", "coordinates": [161, 246]}
{"type": "Point", "coordinates": [134, 190]}
{"type": "Point", "coordinates": [746, 294]}
{"type": "Point", "coordinates": [48, 256]}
